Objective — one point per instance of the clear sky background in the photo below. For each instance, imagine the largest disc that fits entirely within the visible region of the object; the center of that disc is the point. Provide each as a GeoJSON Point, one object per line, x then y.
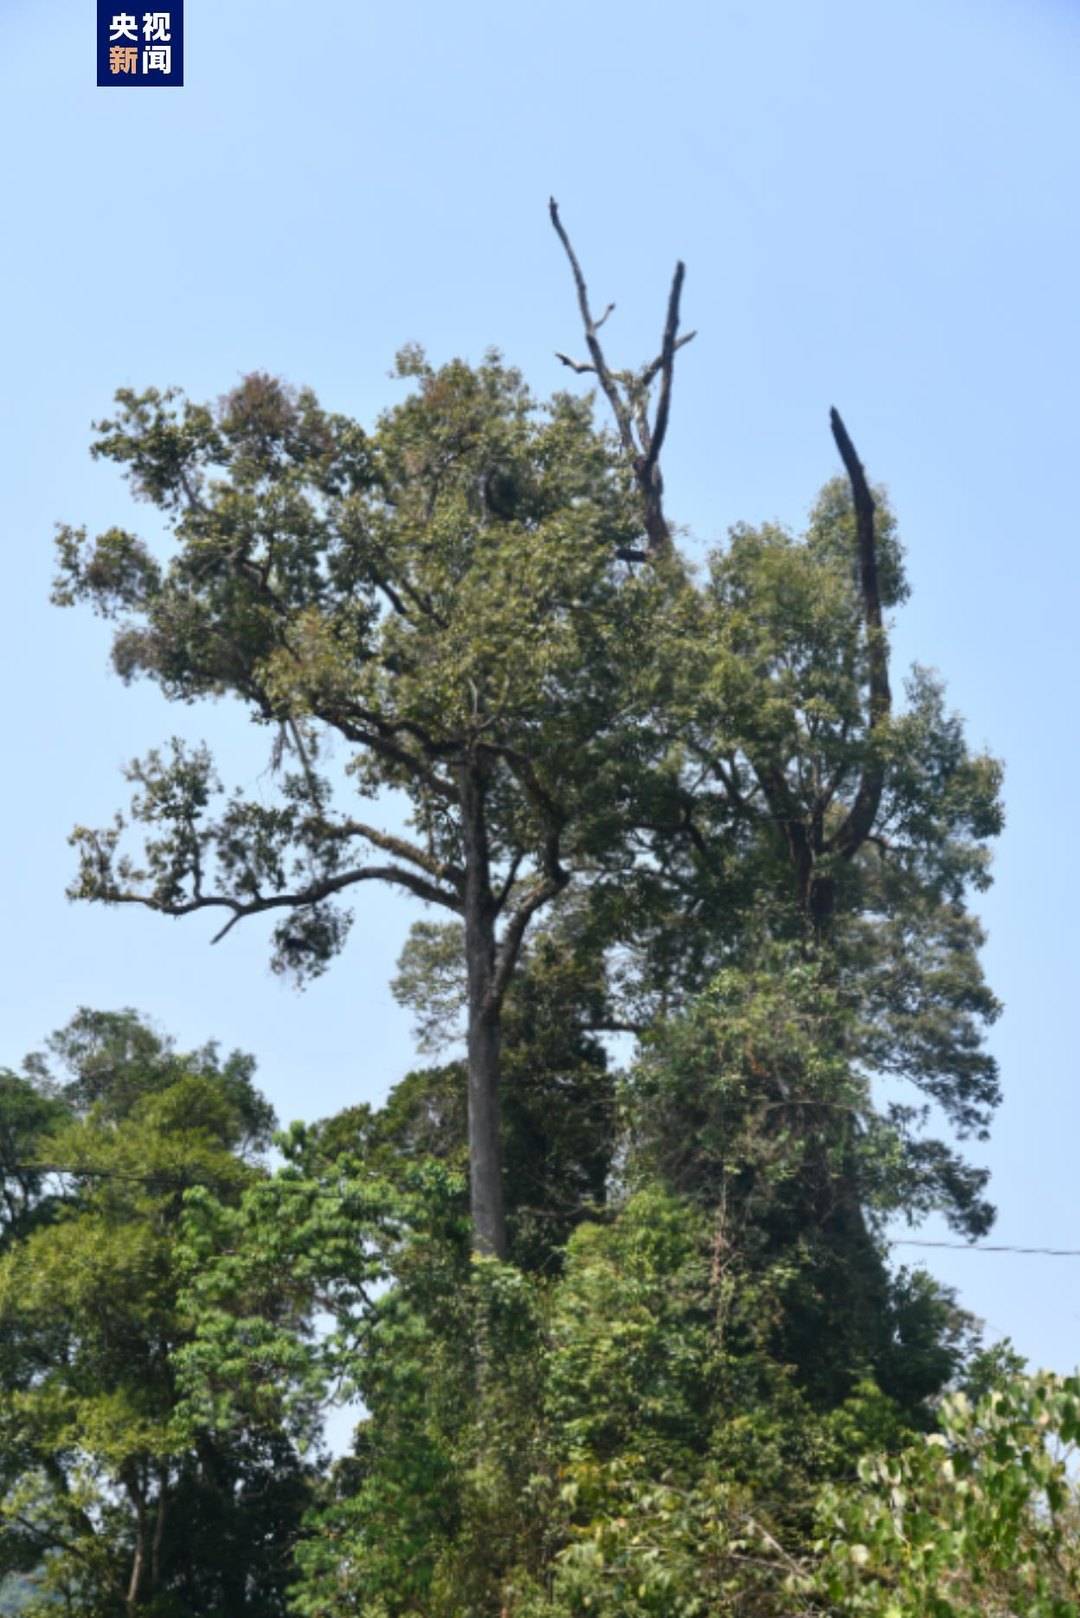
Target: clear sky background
{"type": "Point", "coordinates": [877, 203]}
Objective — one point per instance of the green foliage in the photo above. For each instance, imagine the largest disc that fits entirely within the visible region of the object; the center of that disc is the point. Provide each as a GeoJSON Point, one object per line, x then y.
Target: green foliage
{"type": "Point", "coordinates": [751, 1105]}
{"type": "Point", "coordinates": [112, 1060]}
{"type": "Point", "coordinates": [980, 1517]}
{"type": "Point", "coordinates": [516, 1426]}
{"type": "Point", "coordinates": [118, 1501]}
{"type": "Point", "coordinates": [28, 1115]}
{"type": "Point", "coordinates": [757, 689]}
{"type": "Point", "coordinates": [444, 585]}
{"type": "Point", "coordinates": [630, 1333]}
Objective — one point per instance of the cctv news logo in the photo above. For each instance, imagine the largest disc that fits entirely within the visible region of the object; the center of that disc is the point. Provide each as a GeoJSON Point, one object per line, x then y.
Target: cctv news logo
{"type": "Point", "coordinates": [143, 47]}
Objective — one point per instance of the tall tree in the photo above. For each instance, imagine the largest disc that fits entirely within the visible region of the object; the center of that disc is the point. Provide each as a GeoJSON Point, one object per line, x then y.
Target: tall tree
{"type": "Point", "coordinates": [452, 596]}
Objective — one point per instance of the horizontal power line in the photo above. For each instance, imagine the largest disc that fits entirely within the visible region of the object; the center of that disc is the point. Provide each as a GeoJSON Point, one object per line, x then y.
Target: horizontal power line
{"type": "Point", "coordinates": [989, 1247]}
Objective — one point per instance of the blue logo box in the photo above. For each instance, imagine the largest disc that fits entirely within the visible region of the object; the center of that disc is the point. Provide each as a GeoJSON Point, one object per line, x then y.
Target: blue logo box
{"type": "Point", "coordinates": [139, 47]}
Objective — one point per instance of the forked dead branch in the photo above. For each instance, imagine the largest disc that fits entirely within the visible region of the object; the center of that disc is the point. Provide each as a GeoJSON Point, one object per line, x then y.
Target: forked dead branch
{"type": "Point", "coordinates": [628, 394]}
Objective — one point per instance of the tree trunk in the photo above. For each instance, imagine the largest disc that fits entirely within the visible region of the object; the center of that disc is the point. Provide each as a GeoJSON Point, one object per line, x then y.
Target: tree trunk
{"type": "Point", "coordinates": [218, 1479]}
{"type": "Point", "coordinates": [485, 1027]}
{"type": "Point", "coordinates": [159, 1529]}
{"type": "Point", "coordinates": [485, 1143]}
{"type": "Point", "coordinates": [137, 1497]}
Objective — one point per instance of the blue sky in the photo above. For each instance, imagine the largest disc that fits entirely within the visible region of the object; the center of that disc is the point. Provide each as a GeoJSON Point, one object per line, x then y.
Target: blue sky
{"type": "Point", "coordinates": [877, 204]}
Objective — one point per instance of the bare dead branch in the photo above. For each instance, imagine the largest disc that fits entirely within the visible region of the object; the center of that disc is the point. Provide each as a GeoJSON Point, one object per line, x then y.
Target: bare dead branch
{"type": "Point", "coordinates": [604, 376]}
{"type": "Point", "coordinates": [859, 821]}
{"type": "Point", "coordinates": [580, 366]}
{"type": "Point", "coordinates": [667, 357]}
{"type": "Point", "coordinates": [649, 374]}
{"type": "Point", "coordinates": [627, 392]}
